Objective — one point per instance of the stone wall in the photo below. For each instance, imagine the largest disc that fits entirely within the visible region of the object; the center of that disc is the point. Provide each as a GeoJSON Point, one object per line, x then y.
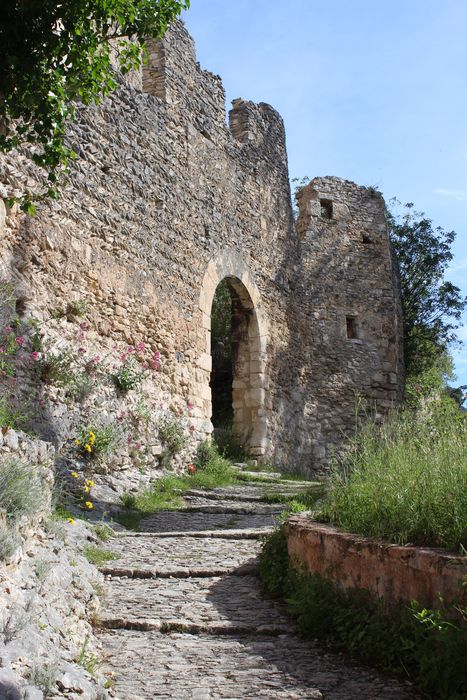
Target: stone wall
{"type": "Point", "coordinates": [163, 202]}
{"type": "Point", "coordinates": [396, 573]}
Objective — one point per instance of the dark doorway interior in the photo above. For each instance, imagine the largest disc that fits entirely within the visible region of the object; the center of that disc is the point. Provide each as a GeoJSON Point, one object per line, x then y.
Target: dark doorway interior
{"type": "Point", "coordinates": [222, 360]}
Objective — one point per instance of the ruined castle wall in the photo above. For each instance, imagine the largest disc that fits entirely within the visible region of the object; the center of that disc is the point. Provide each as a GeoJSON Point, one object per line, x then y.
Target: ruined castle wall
{"type": "Point", "coordinates": [164, 200]}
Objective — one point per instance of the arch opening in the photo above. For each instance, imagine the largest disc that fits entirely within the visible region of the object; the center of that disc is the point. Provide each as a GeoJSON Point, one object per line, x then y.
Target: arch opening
{"type": "Point", "coordinates": [237, 377]}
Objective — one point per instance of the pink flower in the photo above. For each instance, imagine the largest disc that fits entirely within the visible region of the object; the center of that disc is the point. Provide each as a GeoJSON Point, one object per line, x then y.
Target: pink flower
{"type": "Point", "coordinates": [84, 326]}
{"type": "Point", "coordinates": [82, 350]}
{"type": "Point", "coordinates": [8, 329]}
{"type": "Point", "coordinates": [155, 360]}
{"type": "Point", "coordinates": [1, 349]}
{"type": "Point", "coordinates": [123, 356]}
{"type": "Point", "coordinates": [34, 356]}
{"type": "Point", "coordinates": [130, 349]}
{"type": "Point", "coordinates": [189, 405]}
{"type": "Point", "coordinates": [20, 340]}
{"type": "Point", "coordinates": [138, 446]}
{"type": "Point", "coordinates": [41, 403]}
{"type": "Point", "coordinates": [141, 347]}
{"type": "Point", "coordinates": [191, 428]}
{"type": "Point", "coordinates": [129, 439]}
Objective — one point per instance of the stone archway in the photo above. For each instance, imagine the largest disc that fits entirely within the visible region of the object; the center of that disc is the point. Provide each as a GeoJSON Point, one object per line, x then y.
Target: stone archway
{"type": "Point", "coordinates": [249, 384]}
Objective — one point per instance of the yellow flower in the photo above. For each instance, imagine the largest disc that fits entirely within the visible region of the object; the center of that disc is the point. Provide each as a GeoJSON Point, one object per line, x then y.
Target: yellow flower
{"type": "Point", "coordinates": [86, 489]}
{"type": "Point", "coordinates": [77, 442]}
{"type": "Point", "coordinates": [92, 437]}
{"type": "Point", "coordinates": [89, 505]}
{"type": "Point", "coordinates": [90, 483]}
{"type": "Point", "coordinates": [88, 447]}
{"type": "Point", "coordinates": [74, 475]}
{"type": "Point", "coordinates": [71, 521]}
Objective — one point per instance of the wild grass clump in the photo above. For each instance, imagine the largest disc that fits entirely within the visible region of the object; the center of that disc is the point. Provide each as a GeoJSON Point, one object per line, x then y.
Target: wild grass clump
{"type": "Point", "coordinates": [20, 490]}
{"type": "Point", "coordinates": [11, 416]}
{"type": "Point", "coordinates": [97, 555]}
{"type": "Point", "coordinates": [211, 470]}
{"type": "Point", "coordinates": [9, 542]}
{"type": "Point", "coordinates": [405, 481]}
{"type": "Point", "coordinates": [227, 443]}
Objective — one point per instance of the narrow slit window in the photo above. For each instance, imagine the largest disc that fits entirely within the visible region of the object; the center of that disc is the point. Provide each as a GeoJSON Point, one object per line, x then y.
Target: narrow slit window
{"type": "Point", "coordinates": [351, 324]}
{"type": "Point", "coordinates": [326, 209]}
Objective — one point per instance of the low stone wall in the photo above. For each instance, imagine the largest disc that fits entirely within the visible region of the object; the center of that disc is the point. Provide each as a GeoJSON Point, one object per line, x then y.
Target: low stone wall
{"type": "Point", "coordinates": [393, 572]}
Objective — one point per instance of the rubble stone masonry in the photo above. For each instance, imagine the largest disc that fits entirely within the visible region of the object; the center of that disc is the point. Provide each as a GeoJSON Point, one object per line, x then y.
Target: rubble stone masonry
{"type": "Point", "coordinates": [163, 202]}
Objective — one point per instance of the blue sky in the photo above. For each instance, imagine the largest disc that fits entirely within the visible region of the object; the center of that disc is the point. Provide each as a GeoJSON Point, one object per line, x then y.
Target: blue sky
{"type": "Point", "coordinates": [372, 91]}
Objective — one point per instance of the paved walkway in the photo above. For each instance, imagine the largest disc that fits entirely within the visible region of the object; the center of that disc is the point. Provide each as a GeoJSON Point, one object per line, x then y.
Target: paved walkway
{"type": "Point", "coordinates": [184, 618]}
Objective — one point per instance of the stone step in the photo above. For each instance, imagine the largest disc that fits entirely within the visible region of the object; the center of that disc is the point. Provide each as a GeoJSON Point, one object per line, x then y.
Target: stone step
{"type": "Point", "coordinates": [183, 521]}
{"type": "Point", "coordinates": [154, 556]}
{"type": "Point", "coordinates": [251, 493]}
{"type": "Point", "coordinates": [149, 665]}
{"type": "Point", "coordinates": [145, 572]}
{"type": "Point", "coordinates": [207, 603]}
{"type": "Point", "coordinates": [198, 504]}
{"type": "Point", "coordinates": [189, 627]}
{"type": "Point", "coordinates": [243, 534]}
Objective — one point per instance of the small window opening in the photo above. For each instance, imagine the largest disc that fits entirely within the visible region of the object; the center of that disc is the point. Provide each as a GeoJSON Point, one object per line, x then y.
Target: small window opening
{"type": "Point", "coordinates": [326, 209]}
{"type": "Point", "coordinates": [366, 238]}
{"type": "Point", "coordinates": [351, 323]}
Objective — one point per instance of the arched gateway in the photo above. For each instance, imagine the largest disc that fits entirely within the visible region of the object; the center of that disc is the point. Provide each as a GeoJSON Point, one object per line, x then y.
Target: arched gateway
{"type": "Point", "coordinates": [249, 342]}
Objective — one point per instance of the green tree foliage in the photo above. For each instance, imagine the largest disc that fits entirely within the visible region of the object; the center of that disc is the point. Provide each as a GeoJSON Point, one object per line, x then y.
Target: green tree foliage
{"type": "Point", "coordinates": [431, 306]}
{"type": "Point", "coordinates": [54, 54]}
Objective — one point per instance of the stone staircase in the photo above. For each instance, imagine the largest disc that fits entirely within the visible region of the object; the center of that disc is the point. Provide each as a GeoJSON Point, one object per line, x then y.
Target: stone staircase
{"type": "Point", "coordinates": [183, 616]}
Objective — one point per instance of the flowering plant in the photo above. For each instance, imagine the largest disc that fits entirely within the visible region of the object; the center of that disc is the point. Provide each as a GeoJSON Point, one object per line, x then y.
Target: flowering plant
{"type": "Point", "coordinates": [82, 492]}
{"type": "Point", "coordinates": [134, 363]}
{"type": "Point", "coordinates": [94, 442]}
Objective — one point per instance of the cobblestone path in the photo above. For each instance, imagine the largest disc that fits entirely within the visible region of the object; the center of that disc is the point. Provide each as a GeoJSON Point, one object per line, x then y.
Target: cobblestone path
{"type": "Point", "coordinates": [184, 618]}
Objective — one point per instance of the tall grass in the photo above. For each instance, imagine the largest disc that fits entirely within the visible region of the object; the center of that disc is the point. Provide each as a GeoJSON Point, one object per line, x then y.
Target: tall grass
{"type": "Point", "coordinates": [405, 481]}
{"type": "Point", "coordinates": [20, 490]}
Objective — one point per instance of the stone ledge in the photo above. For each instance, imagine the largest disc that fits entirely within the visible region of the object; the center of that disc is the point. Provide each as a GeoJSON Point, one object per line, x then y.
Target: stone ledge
{"type": "Point", "coordinates": [390, 571]}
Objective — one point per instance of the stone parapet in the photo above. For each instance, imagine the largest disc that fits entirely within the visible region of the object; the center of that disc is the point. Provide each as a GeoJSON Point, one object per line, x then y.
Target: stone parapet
{"type": "Point", "coordinates": [393, 572]}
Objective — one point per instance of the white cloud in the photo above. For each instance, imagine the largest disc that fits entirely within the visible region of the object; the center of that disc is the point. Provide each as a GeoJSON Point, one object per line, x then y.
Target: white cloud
{"type": "Point", "coordinates": [460, 195]}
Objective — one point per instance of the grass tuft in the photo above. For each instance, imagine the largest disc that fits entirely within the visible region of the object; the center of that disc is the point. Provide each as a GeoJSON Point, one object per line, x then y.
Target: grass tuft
{"type": "Point", "coordinates": [405, 481]}
{"type": "Point", "coordinates": [97, 555]}
{"type": "Point", "coordinates": [20, 490]}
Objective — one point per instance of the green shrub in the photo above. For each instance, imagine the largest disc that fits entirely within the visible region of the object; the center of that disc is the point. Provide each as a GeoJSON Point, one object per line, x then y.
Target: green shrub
{"type": "Point", "coordinates": [405, 481]}
{"type": "Point", "coordinates": [205, 452]}
{"type": "Point", "coordinates": [103, 531]}
{"type": "Point", "coordinates": [95, 442]}
{"type": "Point", "coordinates": [87, 660]}
{"type": "Point", "coordinates": [20, 490]}
{"type": "Point", "coordinates": [43, 676]}
{"type": "Point", "coordinates": [9, 542]}
{"type": "Point", "coordinates": [171, 434]}
{"type": "Point", "coordinates": [128, 376]}
{"type": "Point", "coordinates": [274, 563]}
{"type": "Point", "coordinates": [76, 309]}
{"type": "Point", "coordinates": [56, 368]}
{"type": "Point", "coordinates": [10, 416]}
{"type": "Point", "coordinates": [428, 646]}
{"type": "Point", "coordinates": [227, 444]}
{"type": "Point", "coordinates": [81, 386]}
